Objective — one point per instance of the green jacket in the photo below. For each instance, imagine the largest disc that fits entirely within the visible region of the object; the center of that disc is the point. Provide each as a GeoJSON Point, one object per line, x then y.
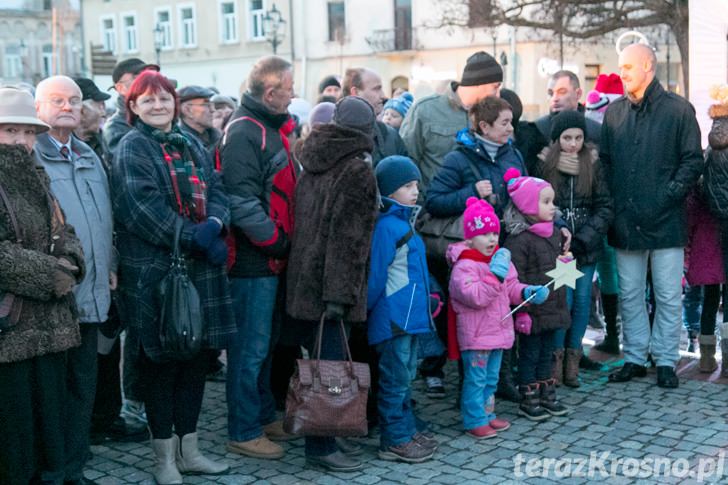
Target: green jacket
{"type": "Point", "coordinates": [429, 131]}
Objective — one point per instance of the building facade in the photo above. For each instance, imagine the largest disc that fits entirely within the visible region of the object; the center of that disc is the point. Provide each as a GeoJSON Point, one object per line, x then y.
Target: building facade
{"type": "Point", "coordinates": [39, 38]}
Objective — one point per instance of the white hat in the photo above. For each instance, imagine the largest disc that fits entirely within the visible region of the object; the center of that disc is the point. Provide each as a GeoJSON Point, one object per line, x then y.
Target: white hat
{"type": "Point", "coordinates": [18, 107]}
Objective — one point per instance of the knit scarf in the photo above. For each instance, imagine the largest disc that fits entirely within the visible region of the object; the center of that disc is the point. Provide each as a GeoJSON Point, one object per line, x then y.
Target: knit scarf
{"type": "Point", "coordinates": [188, 180]}
{"type": "Point", "coordinates": [568, 163]}
{"type": "Point", "coordinates": [453, 347]}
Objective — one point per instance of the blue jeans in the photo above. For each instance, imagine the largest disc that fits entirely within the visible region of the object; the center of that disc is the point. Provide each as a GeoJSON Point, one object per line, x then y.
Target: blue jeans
{"type": "Point", "coordinates": [397, 369]}
{"type": "Point", "coordinates": [663, 340]}
{"type": "Point", "coordinates": [579, 301]}
{"type": "Point", "coordinates": [481, 368]}
{"type": "Point", "coordinates": [249, 397]}
{"type": "Point", "coordinates": [692, 307]}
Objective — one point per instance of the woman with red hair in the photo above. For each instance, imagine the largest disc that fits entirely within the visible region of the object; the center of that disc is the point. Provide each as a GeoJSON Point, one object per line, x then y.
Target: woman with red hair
{"type": "Point", "coordinates": [159, 177]}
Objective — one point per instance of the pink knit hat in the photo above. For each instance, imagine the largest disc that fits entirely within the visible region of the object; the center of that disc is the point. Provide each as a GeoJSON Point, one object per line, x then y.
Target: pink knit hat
{"type": "Point", "coordinates": [479, 218]}
{"type": "Point", "coordinates": [524, 191]}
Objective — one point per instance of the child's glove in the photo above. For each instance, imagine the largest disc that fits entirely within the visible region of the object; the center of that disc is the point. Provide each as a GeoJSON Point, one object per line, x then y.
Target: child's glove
{"type": "Point", "coordinates": [523, 323]}
{"type": "Point", "coordinates": [541, 293]}
{"type": "Point", "coordinates": [435, 305]}
{"type": "Point", "coordinates": [500, 263]}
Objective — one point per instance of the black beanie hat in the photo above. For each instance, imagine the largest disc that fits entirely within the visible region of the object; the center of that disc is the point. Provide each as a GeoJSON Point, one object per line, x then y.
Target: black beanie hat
{"type": "Point", "coordinates": [565, 120]}
{"type": "Point", "coordinates": [355, 112]}
{"type": "Point", "coordinates": [329, 81]}
{"type": "Point", "coordinates": [517, 106]}
{"type": "Point", "coordinates": [481, 68]}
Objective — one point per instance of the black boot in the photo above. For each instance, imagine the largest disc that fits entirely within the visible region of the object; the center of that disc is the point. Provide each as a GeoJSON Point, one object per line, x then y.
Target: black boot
{"type": "Point", "coordinates": [610, 344]}
{"type": "Point", "coordinates": [548, 398]}
{"type": "Point", "coordinates": [530, 406]}
{"type": "Point", "coordinates": [506, 383]}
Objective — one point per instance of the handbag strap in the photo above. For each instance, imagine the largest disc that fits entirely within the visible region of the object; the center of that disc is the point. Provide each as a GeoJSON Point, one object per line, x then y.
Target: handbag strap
{"type": "Point", "coordinates": [344, 344]}
{"type": "Point", "coordinates": [11, 213]}
{"type": "Point", "coordinates": [176, 251]}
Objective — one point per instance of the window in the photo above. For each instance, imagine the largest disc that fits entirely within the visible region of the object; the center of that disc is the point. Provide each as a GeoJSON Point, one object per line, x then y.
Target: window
{"type": "Point", "coordinates": [128, 22]}
{"type": "Point", "coordinates": [228, 22]}
{"type": "Point", "coordinates": [13, 62]}
{"type": "Point", "coordinates": [337, 21]}
{"type": "Point", "coordinates": [257, 12]}
{"type": "Point", "coordinates": [164, 21]}
{"type": "Point", "coordinates": [108, 34]}
{"type": "Point", "coordinates": [188, 26]}
{"type": "Point", "coordinates": [47, 60]}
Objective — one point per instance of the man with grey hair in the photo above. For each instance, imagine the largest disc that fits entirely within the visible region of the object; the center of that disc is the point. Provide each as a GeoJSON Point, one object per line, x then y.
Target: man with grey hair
{"type": "Point", "coordinates": [195, 115]}
{"type": "Point", "coordinates": [80, 184]}
{"type": "Point", "coordinates": [260, 179]}
{"type": "Point", "coordinates": [652, 156]}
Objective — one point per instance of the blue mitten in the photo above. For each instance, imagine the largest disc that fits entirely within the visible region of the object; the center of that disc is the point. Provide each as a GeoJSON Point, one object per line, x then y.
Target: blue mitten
{"type": "Point", "coordinates": [205, 233]}
{"type": "Point", "coordinates": [217, 253]}
{"type": "Point", "coordinates": [500, 263]}
{"type": "Point", "coordinates": [541, 292]}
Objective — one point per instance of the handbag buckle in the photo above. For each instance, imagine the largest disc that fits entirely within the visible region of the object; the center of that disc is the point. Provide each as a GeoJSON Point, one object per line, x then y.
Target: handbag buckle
{"type": "Point", "coordinates": [335, 386]}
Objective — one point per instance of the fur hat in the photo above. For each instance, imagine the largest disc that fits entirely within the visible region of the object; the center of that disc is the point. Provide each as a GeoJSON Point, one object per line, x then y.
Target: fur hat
{"type": "Point", "coordinates": [479, 218]}
{"type": "Point", "coordinates": [565, 120]}
{"type": "Point", "coordinates": [401, 104]}
{"type": "Point", "coordinates": [524, 191]}
{"type": "Point", "coordinates": [395, 171]}
{"type": "Point", "coordinates": [720, 94]}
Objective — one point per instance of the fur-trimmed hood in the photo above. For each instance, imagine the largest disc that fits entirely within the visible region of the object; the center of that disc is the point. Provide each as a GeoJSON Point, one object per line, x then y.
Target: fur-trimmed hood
{"type": "Point", "coordinates": [327, 145]}
{"type": "Point", "coordinates": [718, 110]}
{"type": "Point", "coordinates": [718, 136]}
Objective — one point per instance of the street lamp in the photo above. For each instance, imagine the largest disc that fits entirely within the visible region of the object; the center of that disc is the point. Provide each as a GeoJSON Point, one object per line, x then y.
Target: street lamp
{"type": "Point", "coordinates": [158, 40]}
{"type": "Point", "coordinates": [23, 51]}
{"type": "Point", "coordinates": [274, 27]}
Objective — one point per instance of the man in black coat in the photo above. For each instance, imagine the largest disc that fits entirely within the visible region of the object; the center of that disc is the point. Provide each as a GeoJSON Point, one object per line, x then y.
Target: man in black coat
{"type": "Point", "coordinates": [652, 156]}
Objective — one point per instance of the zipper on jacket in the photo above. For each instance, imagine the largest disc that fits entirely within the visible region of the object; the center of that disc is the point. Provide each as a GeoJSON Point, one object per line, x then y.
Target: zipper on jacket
{"type": "Point", "coordinates": [409, 310]}
{"type": "Point", "coordinates": [571, 206]}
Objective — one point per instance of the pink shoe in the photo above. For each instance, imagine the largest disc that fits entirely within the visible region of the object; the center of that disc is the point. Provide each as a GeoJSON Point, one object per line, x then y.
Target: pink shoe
{"type": "Point", "coordinates": [499, 424]}
{"type": "Point", "coordinates": [482, 432]}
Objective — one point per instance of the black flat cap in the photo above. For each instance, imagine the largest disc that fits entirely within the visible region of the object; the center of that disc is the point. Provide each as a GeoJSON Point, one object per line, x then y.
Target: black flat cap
{"type": "Point", "coordinates": [131, 66]}
{"type": "Point", "coordinates": [89, 90]}
{"type": "Point", "coordinates": [193, 92]}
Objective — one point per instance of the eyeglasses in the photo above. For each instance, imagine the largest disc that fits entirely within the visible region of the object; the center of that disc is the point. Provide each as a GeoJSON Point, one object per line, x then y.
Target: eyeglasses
{"type": "Point", "coordinates": [61, 102]}
{"type": "Point", "coordinates": [205, 105]}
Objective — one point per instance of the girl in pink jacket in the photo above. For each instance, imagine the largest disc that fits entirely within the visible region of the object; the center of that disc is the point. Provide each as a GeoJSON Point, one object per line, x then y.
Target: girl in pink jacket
{"type": "Point", "coordinates": [483, 286]}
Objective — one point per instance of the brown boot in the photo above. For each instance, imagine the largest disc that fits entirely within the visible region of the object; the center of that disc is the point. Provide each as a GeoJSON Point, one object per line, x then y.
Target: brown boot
{"type": "Point", "coordinates": [707, 362]}
{"type": "Point", "coordinates": [557, 367]}
{"type": "Point", "coordinates": [571, 367]}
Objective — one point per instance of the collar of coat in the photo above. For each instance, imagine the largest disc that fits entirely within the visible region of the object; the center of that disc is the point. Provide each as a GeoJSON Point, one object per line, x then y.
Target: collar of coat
{"type": "Point", "coordinates": [47, 150]}
{"type": "Point", "coordinates": [260, 111]}
{"type": "Point", "coordinates": [652, 93]}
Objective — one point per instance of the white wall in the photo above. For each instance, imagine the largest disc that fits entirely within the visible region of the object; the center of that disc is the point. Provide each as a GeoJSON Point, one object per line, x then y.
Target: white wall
{"type": "Point", "coordinates": [708, 55]}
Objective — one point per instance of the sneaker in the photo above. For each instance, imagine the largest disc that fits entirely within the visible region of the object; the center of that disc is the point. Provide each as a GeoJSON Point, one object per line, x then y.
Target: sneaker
{"type": "Point", "coordinates": [133, 411]}
{"type": "Point", "coordinates": [260, 447]}
{"type": "Point", "coordinates": [434, 387]}
{"type": "Point", "coordinates": [275, 432]}
{"type": "Point", "coordinates": [349, 447]}
{"type": "Point", "coordinates": [482, 432]}
{"type": "Point", "coordinates": [499, 424]}
{"type": "Point", "coordinates": [426, 439]}
{"type": "Point", "coordinates": [410, 452]}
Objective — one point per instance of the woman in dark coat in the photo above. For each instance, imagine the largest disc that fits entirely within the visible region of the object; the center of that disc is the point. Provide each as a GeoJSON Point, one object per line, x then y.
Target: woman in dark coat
{"type": "Point", "coordinates": [336, 207]}
{"type": "Point", "coordinates": [572, 167]}
{"type": "Point", "coordinates": [38, 272]}
{"type": "Point", "coordinates": [161, 176]}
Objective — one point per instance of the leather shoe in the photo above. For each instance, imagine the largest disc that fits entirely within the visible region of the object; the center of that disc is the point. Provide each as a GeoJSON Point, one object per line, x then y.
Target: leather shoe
{"type": "Point", "coordinates": [666, 377]}
{"type": "Point", "coordinates": [627, 372]}
{"type": "Point", "coordinates": [335, 462]}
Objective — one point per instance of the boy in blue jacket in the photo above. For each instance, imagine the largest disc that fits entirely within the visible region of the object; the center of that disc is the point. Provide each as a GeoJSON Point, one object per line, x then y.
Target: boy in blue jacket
{"type": "Point", "coordinates": [398, 309]}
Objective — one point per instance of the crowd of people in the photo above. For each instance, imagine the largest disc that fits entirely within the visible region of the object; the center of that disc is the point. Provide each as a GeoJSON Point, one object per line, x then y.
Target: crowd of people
{"type": "Point", "coordinates": [287, 219]}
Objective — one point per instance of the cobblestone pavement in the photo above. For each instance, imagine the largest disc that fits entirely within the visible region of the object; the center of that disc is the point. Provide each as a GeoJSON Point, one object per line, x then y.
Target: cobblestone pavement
{"type": "Point", "coordinates": [614, 429]}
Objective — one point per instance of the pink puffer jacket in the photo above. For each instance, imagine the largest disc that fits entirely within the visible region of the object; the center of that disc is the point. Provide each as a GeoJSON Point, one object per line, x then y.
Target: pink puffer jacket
{"type": "Point", "coordinates": [481, 301]}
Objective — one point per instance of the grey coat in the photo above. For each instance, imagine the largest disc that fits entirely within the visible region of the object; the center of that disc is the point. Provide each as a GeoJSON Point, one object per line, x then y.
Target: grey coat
{"type": "Point", "coordinates": [82, 188]}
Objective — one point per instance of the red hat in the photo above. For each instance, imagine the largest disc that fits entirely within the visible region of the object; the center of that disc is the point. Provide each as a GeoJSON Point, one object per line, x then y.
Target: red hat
{"type": "Point", "coordinates": [609, 84]}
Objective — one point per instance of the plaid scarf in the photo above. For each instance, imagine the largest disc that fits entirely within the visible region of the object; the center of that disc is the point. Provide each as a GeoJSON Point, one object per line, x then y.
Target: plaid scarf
{"type": "Point", "coordinates": [188, 180]}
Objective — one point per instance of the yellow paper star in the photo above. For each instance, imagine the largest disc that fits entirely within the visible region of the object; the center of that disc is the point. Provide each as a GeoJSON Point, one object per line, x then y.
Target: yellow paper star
{"type": "Point", "coordinates": [565, 273]}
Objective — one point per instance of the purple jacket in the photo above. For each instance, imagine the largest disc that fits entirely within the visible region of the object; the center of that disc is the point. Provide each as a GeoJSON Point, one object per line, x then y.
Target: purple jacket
{"type": "Point", "coordinates": [481, 301]}
{"type": "Point", "coordinates": [703, 259]}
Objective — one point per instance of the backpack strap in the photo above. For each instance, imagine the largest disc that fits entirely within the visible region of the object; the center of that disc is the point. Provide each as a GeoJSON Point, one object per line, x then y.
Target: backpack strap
{"type": "Point", "coordinates": [11, 213]}
{"type": "Point", "coordinates": [405, 239]}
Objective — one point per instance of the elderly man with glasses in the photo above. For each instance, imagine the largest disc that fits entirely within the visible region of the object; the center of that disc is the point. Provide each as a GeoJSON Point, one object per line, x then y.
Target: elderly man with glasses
{"type": "Point", "coordinates": [196, 114]}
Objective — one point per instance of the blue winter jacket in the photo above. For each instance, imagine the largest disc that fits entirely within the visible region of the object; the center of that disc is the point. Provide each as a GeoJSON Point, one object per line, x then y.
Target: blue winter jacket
{"type": "Point", "coordinates": [398, 300]}
{"type": "Point", "coordinates": [455, 181]}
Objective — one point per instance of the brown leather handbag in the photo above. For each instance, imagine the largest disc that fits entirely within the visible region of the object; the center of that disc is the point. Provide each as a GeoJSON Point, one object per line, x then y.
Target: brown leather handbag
{"type": "Point", "coordinates": [328, 397]}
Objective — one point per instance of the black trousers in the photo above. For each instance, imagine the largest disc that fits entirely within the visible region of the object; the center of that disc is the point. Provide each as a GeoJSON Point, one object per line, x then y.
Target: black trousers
{"type": "Point", "coordinates": [534, 357]}
{"type": "Point", "coordinates": [81, 392]}
{"type": "Point", "coordinates": [31, 419]}
{"type": "Point", "coordinates": [108, 389]}
{"type": "Point", "coordinates": [173, 394]}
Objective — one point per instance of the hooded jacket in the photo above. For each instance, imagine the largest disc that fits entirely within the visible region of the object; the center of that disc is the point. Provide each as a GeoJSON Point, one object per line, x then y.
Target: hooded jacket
{"type": "Point", "coordinates": [336, 207]}
{"type": "Point", "coordinates": [399, 288]}
{"type": "Point", "coordinates": [481, 301]}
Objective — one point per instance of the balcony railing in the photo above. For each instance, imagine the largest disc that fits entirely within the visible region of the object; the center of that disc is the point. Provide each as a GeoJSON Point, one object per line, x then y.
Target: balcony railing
{"type": "Point", "coordinates": [392, 40]}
